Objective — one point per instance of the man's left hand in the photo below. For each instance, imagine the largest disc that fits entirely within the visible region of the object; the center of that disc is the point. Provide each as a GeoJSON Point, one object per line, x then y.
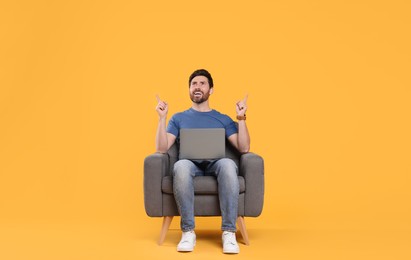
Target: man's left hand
{"type": "Point", "coordinates": [241, 106]}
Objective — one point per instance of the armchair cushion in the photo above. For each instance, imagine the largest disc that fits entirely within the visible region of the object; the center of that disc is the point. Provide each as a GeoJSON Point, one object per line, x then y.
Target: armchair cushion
{"type": "Point", "coordinates": [203, 185]}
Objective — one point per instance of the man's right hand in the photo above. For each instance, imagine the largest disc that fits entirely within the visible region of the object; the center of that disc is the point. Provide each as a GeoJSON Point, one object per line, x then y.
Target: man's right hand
{"type": "Point", "coordinates": [161, 108]}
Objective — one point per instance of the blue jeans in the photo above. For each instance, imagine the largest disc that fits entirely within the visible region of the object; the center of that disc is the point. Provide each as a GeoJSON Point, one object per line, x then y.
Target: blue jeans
{"type": "Point", "coordinates": [228, 189]}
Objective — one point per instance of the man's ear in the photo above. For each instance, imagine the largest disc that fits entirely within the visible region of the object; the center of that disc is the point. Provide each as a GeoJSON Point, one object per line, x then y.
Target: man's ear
{"type": "Point", "coordinates": [211, 90]}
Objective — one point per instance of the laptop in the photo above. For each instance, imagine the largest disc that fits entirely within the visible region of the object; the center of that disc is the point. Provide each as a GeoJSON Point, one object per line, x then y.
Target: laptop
{"type": "Point", "coordinates": [202, 143]}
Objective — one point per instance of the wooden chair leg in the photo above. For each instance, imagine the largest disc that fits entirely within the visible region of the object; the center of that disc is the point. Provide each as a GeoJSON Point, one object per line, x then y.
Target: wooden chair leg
{"type": "Point", "coordinates": [164, 228]}
{"type": "Point", "coordinates": [243, 230]}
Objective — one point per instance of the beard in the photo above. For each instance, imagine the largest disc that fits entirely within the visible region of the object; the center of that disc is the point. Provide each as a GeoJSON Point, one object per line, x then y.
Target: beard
{"type": "Point", "coordinates": [199, 99]}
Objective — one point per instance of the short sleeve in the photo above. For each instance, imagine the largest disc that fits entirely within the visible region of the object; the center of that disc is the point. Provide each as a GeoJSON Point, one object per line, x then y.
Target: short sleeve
{"type": "Point", "coordinates": [231, 128]}
{"type": "Point", "coordinates": [173, 127]}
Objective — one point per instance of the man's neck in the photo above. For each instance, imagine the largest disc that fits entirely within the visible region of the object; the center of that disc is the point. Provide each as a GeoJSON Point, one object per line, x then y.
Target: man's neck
{"type": "Point", "coordinates": [202, 107]}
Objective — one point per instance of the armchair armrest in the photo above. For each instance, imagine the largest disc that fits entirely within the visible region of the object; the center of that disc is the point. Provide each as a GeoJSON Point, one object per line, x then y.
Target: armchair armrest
{"type": "Point", "coordinates": [155, 167]}
{"type": "Point", "coordinates": [252, 169]}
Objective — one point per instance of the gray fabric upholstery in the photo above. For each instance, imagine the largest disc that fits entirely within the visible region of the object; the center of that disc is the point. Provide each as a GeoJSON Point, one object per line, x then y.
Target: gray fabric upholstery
{"type": "Point", "coordinates": [158, 185]}
{"type": "Point", "coordinates": [203, 185]}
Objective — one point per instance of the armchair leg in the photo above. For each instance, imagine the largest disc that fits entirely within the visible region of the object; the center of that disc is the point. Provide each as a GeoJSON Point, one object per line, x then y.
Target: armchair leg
{"type": "Point", "coordinates": [243, 230]}
{"type": "Point", "coordinates": [166, 224]}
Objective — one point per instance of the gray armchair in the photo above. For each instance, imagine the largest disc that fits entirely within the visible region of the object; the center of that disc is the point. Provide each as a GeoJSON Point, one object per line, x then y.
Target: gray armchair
{"type": "Point", "coordinates": [158, 188]}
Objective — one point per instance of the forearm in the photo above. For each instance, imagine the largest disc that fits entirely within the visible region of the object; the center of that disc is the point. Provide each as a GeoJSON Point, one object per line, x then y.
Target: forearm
{"type": "Point", "coordinates": [161, 136]}
{"type": "Point", "coordinates": [243, 137]}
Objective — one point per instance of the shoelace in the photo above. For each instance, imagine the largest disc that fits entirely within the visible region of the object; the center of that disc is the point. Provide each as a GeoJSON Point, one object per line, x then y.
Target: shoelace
{"type": "Point", "coordinates": [185, 237]}
{"type": "Point", "coordinates": [229, 238]}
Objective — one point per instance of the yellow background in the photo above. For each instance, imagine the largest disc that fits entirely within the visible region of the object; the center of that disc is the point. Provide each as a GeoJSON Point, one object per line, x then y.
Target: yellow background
{"type": "Point", "coordinates": [329, 110]}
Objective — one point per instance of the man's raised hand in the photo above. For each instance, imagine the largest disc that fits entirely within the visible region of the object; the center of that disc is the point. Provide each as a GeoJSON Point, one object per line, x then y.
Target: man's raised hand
{"type": "Point", "coordinates": [241, 106]}
{"type": "Point", "coordinates": [161, 108]}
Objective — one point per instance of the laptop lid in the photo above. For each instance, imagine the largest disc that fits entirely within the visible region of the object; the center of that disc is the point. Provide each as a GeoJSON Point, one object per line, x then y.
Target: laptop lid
{"type": "Point", "coordinates": [202, 143]}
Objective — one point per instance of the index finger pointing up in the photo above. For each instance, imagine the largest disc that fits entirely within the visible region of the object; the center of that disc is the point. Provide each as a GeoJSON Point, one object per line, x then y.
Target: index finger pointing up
{"type": "Point", "coordinates": [158, 98]}
{"type": "Point", "coordinates": [245, 98]}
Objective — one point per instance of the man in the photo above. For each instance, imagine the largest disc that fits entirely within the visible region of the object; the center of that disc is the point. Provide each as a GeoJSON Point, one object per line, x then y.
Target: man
{"type": "Point", "coordinates": [200, 115]}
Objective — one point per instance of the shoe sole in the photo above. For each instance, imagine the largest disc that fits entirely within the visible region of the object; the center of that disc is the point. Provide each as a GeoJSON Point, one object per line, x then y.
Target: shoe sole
{"type": "Point", "coordinates": [186, 249]}
{"type": "Point", "coordinates": [231, 252]}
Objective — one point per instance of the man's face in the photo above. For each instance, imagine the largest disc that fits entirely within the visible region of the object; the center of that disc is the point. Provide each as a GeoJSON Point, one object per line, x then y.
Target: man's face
{"type": "Point", "coordinates": [199, 89]}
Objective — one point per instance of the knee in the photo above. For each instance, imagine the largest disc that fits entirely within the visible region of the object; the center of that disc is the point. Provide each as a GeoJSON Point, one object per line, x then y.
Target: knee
{"type": "Point", "coordinates": [227, 168]}
{"type": "Point", "coordinates": [182, 169]}
{"type": "Point", "coordinates": [228, 165]}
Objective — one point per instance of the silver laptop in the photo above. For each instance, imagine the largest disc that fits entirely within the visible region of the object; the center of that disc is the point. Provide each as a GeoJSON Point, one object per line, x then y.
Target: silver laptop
{"type": "Point", "coordinates": [202, 143]}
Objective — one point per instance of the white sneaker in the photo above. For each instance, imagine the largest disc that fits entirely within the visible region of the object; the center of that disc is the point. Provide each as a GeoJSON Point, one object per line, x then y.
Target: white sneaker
{"type": "Point", "coordinates": [187, 242]}
{"type": "Point", "coordinates": [230, 245]}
